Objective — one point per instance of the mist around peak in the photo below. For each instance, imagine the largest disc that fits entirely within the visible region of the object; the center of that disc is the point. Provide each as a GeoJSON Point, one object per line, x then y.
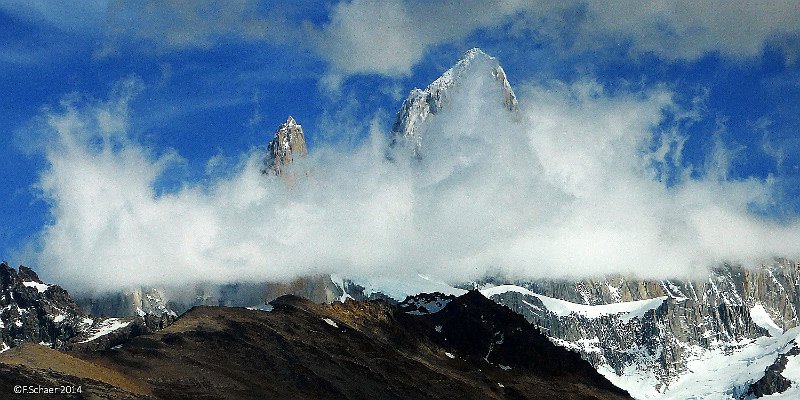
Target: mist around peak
{"type": "Point", "coordinates": [568, 186]}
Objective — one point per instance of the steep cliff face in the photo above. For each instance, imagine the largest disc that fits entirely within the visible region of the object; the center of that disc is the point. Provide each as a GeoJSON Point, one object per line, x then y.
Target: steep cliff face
{"type": "Point", "coordinates": [318, 288]}
{"type": "Point", "coordinates": [653, 331]}
{"type": "Point", "coordinates": [773, 285]}
{"type": "Point", "coordinates": [139, 301]}
{"type": "Point", "coordinates": [421, 104]}
{"type": "Point", "coordinates": [286, 146]}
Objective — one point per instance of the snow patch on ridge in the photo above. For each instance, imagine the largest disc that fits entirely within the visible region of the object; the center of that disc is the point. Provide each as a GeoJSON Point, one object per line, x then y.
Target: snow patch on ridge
{"type": "Point", "coordinates": [106, 327]}
{"type": "Point", "coordinates": [563, 308]}
{"type": "Point", "coordinates": [429, 307]}
{"type": "Point", "coordinates": [330, 322]}
{"type": "Point", "coordinates": [761, 317]}
{"type": "Point", "coordinates": [399, 289]}
{"type": "Point", "coordinates": [41, 287]}
{"type": "Point", "coordinates": [338, 281]}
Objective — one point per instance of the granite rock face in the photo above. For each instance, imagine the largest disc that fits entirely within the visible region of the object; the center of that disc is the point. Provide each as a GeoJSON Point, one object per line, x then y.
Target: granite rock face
{"type": "Point", "coordinates": [286, 147]}
{"type": "Point", "coordinates": [679, 319]}
{"type": "Point", "coordinates": [141, 301]}
{"type": "Point", "coordinates": [318, 288]}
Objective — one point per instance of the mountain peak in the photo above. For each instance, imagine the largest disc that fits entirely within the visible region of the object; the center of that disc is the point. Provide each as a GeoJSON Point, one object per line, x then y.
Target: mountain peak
{"type": "Point", "coordinates": [287, 145]}
{"type": "Point", "coordinates": [423, 103]}
{"type": "Point", "coordinates": [290, 122]}
{"type": "Point", "coordinates": [473, 53]}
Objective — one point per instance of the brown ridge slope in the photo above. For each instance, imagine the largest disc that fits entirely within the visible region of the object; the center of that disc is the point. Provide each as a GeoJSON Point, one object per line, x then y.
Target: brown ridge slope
{"type": "Point", "coordinates": [37, 365]}
{"type": "Point", "coordinates": [472, 349]}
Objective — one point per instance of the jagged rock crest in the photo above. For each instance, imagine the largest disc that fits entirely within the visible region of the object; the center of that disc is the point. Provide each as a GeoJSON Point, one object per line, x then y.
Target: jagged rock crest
{"type": "Point", "coordinates": [287, 146]}
{"type": "Point", "coordinates": [32, 311]}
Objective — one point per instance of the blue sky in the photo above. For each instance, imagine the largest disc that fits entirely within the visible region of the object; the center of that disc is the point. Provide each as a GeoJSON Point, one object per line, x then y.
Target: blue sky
{"type": "Point", "coordinates": [216, 79]}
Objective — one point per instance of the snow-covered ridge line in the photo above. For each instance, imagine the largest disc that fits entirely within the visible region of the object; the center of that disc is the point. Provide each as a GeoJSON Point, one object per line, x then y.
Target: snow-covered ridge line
{"type": "Point", "coordinates": [401, 288]}
{"type": "Point", "coordinates": [447, 78]}
{"type": "Point", "coordinates": [563, 308]}
{"type": "Point", "coordinates": [106, 327]}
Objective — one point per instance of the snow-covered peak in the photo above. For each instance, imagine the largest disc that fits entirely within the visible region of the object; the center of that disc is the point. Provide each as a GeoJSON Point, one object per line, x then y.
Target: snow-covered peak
{"type": "Point", "coordinates": [474, 52]}
{"type": "Point", "coordinates": [472, 58]}
{"type": "Point", "coordinates": [290, 122]}
{"type": "Point", "coordinates": [421, 104]}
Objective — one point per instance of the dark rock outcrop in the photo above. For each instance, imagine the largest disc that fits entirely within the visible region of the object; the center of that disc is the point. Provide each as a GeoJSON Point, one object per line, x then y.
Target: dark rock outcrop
{"type": "Point", "coordinates": [352, 350]}
{"type": "Point", "coordinates": [32, 311]}
{"type": "Point", "coordinates": [772, 382]}
{"type": "Point", "coordinates": [476, 327]}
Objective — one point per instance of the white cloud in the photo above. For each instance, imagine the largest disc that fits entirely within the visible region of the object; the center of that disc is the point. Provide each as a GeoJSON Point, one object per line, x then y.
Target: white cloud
{"type": "Point", "coordinates": [568, 188]}
{"type": "Point", "coordinates": [689, 29]}
{"type": "Point", "coordinates": [367, 36]}
{"type": "Point", "coordinates": [390, 37]}
{"type": "Point", "coordinates": [617, 216]}
{"type": "Point", "coordinates": [189, 24]}
{"type": "Point", "coordinates": [371, 36]}
{"type": "Point", "coordinates": [77, 18]}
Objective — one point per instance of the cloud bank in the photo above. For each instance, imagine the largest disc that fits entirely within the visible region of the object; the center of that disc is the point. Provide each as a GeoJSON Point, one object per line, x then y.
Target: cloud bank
{"type": "Point", "coordinates": [390, 37]}
{"type": "Point", "coordinates": [368, 36]}
{"type": "Point", "coordinates": [571, 186]}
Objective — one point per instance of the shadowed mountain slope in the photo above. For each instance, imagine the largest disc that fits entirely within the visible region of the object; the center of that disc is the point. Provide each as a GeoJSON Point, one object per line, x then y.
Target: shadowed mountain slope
{"type": "Point", "coordinates": [471, 349]}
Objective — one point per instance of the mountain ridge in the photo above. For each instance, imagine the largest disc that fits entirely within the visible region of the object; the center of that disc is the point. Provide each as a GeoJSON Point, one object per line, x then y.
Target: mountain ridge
{"type": "Point", "coordinates": [301, 350]}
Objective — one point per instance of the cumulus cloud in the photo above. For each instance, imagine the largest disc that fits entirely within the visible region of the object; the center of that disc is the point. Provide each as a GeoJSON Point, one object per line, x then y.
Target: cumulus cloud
{"type": "Point", "coordinates": [567, 187]}
{"type": "Point", "coordinates": [390, 37]}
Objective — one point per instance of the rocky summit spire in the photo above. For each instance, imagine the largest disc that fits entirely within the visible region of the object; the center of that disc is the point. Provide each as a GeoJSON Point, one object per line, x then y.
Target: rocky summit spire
{"type": "Point", "coordinates": [288, 145]}
{"type": "Point", "coordinates": [423, 103]}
